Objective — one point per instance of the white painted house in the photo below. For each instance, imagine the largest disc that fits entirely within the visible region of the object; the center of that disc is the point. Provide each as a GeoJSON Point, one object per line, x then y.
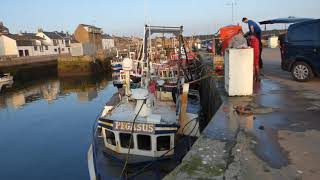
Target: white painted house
{"type": "Point", "coordinates": [8, 46]}
{"type": "Point", "coordinates": [58, 42]}
{"type": "Point", "coordinates": [18, 45]}
{"type": "Point", "coordinates": [107, 42]}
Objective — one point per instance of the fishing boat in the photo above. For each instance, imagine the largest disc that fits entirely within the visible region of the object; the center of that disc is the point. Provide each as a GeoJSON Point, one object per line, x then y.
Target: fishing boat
{"type": "Point", "coordinates": [143, 124]}
{"type": "Point", "coordinates": [5, 78]}
{"type": "Point", "coordinates": [116, 64]}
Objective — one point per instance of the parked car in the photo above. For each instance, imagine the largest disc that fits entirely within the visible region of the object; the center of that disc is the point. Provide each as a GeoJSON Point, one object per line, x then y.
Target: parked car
{"type": "Point", "coordinates": [204, 43]}
{"type": "Point", "coordinates": [300, 51]}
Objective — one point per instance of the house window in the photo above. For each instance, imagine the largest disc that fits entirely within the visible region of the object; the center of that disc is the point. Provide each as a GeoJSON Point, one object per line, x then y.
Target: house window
{"type": "Point", "coordinates": [55, 50]}
{"type": "Point", "coordinates": [62, 49]}
{"type": "Point", "coordinates": [69, 49]}
{"type": "Point", "coordinates": [125, 140]}
{"type": "Point", "coordinates": [110, 137]}
{"type": "Point", "coordinates": [163, 143]}
{"type": "Point", "coordinates": [144, 142]}
{"type": "Point", "coordinates": [46, 48]}
{"type": "Point", "coordinates": [41, 48]}
{"type": "Point", "coordinates": [20, 53]}
{"type": "Point", "coordinates": [26, 52]}
{"type": "Point", "coordinates": [36, 48]}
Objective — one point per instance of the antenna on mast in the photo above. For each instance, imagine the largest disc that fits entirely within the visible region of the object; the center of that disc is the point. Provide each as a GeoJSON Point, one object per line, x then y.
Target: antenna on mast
{"type": "Point", "coordinates": [232, 4]}
{"type": "Point", "coordinates": [147, 16]}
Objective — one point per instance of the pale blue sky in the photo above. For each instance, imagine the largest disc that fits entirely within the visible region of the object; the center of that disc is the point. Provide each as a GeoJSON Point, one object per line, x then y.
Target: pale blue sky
{"type": "Point", "coordinates": [127, 17]}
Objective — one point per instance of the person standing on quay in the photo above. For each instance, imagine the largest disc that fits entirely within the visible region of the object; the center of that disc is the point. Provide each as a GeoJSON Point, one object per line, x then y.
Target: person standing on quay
{"type": "Point", "coordinates": [254, 43]}
{"type": "Point", "coordinates": [254, 28]}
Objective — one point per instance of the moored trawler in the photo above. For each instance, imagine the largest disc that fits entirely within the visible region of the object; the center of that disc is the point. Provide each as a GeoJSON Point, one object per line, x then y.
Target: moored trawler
{"type": "Point", "coordinates": [5, 78]}
{"type": "Point", "coordinates": [116, 64]}
{"type": "Point", "coordinates": [143, 124]}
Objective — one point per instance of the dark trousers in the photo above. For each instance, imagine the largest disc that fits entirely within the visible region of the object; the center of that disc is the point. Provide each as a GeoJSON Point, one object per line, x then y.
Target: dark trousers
{"type": "Point", "coordinates": [260, 58]}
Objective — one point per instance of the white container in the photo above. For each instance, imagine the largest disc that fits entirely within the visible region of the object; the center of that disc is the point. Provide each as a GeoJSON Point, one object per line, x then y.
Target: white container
{"type": "Point", "coordinates": [273, 42]}
{"type": "Point", "coordinates": [238, 73]}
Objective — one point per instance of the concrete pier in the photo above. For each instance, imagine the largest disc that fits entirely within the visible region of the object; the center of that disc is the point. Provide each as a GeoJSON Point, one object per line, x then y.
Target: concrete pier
{"type": "Point", "coordinates": [279, 140]}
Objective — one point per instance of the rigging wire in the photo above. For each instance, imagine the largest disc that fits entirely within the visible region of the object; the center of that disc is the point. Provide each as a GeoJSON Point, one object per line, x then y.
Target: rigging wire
{"type": "Point", "coordinates": [130, 141]}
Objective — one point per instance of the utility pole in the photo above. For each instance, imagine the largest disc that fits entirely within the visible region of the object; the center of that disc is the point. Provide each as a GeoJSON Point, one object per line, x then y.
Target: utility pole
{"type": "Point", "coordinates": [232, 4]}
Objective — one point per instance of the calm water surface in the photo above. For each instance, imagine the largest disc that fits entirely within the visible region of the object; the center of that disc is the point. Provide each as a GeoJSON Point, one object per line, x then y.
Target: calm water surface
{"type": "Point", "coordinates": [45, 126]}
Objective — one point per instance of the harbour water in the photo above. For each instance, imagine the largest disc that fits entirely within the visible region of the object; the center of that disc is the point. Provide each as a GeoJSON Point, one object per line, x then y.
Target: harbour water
{"type": "Point", "coordinates": [45, 125]}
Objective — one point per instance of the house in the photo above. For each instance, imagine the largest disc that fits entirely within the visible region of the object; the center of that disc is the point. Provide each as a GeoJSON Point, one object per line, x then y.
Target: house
{"type": "Point", "coordinates": [8, 46]}
{"type": "Point", "coordinates": [58, 43]}
{"type": "Point", "coordinates": [82, 49]}
{"type": "Point", "coordinates": [89, 34]}
{"type": "Point", "coordinates": [107, 42]}
{"type": "Point", "coordinates": [18, 45]}
{"type": "Point", "coordinates": [67, 39]}
{"type": "Point", "coordinates": [3, 29]}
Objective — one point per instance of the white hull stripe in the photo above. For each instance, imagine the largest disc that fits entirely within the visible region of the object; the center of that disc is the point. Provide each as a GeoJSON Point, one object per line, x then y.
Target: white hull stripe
{"type": "Point", "coordinates": [166, 129]}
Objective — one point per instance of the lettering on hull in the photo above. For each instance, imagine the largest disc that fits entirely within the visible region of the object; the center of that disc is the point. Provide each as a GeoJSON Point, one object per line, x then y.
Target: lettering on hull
{"type": "Point", "coordinates": [138, 127]}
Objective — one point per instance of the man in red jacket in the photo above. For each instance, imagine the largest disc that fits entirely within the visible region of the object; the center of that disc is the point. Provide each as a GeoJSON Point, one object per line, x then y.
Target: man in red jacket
{"type": "Point", "coordinates": [255, 44]}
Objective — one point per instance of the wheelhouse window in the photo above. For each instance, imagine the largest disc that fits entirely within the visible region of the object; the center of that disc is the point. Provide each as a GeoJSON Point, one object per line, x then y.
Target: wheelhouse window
{"type": "Point", "coordinates": [110, 137]}
{"type": "Point", "coordinates": [144, 142]}
{"type": "Point", "coordinates": [163, 143]}
{"type": "Point", "coordinates": [125, 140]}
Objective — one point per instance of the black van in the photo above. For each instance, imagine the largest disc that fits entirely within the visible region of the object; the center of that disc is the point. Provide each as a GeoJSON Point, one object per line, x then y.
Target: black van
{"type": "Point", "coordinates": [300, 51]}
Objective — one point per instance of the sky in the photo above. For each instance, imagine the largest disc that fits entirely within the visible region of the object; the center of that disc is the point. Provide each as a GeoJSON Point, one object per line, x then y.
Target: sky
{"type": "Point", "coordinates": [127, 17]}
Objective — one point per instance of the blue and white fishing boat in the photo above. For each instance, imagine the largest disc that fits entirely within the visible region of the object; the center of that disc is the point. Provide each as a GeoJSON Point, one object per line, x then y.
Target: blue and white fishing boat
{"type": "Point", "coordinates": [116, 64]}
{"type": "Point", "coordinates": [142, 125]}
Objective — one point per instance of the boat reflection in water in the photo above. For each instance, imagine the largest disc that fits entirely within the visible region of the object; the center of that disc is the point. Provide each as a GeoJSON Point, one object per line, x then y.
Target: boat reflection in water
{"type": "Point", "coordinates": [51, 89]}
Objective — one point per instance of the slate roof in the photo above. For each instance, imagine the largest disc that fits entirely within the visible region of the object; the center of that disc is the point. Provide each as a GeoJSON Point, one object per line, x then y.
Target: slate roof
{"type": "Point", "coordinates": [52, 35]}
{"type": "Point", "coordinates": [32, 36]}
{"type": "Point", "coordinates": [106, 36]}
{"type": "Point", "coordinates": [90, 26]}
{"type": "Point", "coordinates": [26, 39]}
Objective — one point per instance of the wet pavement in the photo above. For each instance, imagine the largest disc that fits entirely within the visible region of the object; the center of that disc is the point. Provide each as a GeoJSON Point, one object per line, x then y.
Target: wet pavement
{"type": "Point", "coordinates": [280, 140]}
{"type": "Point", "coordinates": [286, 136]}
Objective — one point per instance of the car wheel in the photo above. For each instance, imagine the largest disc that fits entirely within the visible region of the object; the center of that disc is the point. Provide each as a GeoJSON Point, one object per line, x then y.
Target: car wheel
{"type": "Point", "coordinates": [301, 72]}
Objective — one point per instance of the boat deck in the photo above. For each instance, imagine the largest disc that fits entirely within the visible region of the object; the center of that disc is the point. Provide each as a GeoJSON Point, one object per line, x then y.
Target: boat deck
{"type": "Point", "coordinates": [125, 112]}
